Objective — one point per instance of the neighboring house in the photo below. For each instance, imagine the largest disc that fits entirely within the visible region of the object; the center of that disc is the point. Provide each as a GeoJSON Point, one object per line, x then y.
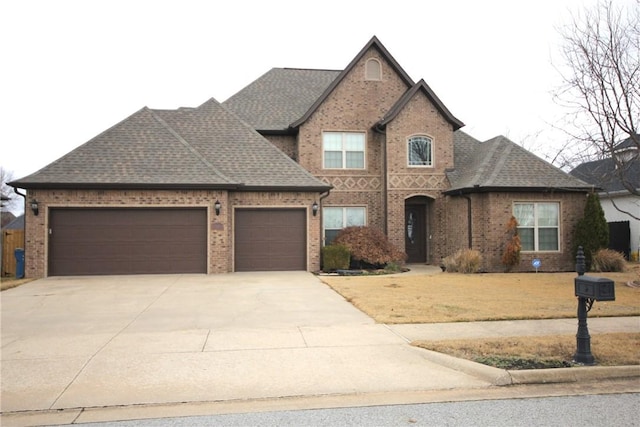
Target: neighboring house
{"type": "Point", "coordinates": [264, 180]}
{"type": "Point", "coordinates": [616, 199]}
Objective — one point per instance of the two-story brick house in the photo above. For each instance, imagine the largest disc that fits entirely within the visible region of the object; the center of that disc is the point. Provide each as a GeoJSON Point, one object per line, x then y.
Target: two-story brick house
{"type": "Point", "coordinates": [268, 177]}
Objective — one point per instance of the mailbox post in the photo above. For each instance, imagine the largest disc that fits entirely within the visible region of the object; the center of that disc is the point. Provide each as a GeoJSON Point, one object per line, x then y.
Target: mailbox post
{"type": "Point", "coordinates": [588, 289]}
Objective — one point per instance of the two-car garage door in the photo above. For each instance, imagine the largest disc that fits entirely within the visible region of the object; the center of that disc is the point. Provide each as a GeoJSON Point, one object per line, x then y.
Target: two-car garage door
{"type": "Point", "coordinates": [127, 241]}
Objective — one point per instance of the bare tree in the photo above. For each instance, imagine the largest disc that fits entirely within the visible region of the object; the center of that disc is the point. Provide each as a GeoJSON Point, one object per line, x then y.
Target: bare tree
{"type": "Point", "coordinates": [8, 196]}
{"type": "Point", "coordinates": [601, 89]}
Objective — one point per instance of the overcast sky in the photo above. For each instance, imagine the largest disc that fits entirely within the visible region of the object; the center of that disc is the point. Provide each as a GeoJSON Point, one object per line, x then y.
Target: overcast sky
{"type": "Point", "coordinates": [72, 69]}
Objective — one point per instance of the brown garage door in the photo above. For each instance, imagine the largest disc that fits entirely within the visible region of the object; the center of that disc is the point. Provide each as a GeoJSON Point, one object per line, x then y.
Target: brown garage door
{"type": "Point", "coordinates": [127, 241]}
{"type": "Point", "coordinates": [270, 239]}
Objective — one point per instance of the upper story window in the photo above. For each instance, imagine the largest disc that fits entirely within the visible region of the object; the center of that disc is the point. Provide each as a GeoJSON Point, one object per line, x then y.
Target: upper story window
{"type": "Point", "coordinates": [343, 150]}
{"type": "Point", "coordinates": [373, 70]}
{"type": "Point", "coordinates": [538, 226]}
{"type": "Point", "coordinates": [420, 151]}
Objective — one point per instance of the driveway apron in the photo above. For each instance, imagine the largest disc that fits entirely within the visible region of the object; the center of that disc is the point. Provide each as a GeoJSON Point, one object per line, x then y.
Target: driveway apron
{"type": "Point", "coordinates": [78, 342]}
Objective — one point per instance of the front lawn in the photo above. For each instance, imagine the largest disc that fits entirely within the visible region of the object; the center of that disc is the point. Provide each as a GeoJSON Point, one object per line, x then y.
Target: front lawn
{"type": "Point", "coordinates": [454, 297]}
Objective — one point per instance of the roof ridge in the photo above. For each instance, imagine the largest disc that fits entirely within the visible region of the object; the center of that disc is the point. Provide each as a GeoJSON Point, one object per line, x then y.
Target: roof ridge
{"type": "Point", "coordinates": [486, 155]}
{"type": "Point", "coordinates": [307, 69]}
{"type": "Point", "coordinates": [501, 162]}
{"type": "Point", "coordinates": [189, 146]}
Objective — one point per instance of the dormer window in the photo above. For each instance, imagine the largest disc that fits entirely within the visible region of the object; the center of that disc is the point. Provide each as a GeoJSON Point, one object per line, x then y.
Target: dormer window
{"type": "Point", "coordinates": [373, 70]}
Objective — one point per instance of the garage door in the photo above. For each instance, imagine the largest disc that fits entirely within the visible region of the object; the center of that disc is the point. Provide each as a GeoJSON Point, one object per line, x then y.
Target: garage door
{"type": "Point", "coordinates": [127, 241]}
{"type": "Point", "coordinates": [270, 239]}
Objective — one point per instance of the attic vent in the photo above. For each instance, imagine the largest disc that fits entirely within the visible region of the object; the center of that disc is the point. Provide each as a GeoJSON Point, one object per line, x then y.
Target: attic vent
{"type": "Point", "coordinates": [373, 70]}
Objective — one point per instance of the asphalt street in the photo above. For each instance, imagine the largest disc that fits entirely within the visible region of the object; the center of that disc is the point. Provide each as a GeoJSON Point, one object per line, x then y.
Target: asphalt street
{"type": "Point", "coordinates": [592, 410]}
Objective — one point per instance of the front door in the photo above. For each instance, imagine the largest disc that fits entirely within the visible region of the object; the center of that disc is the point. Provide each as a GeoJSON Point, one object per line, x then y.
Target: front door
{"type": "Point", "coordinates": [414, 234]}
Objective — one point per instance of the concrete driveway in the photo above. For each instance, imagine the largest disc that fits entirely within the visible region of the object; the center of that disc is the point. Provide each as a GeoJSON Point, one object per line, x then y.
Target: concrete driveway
{"type": "Point", "coordinates": [83, 342]}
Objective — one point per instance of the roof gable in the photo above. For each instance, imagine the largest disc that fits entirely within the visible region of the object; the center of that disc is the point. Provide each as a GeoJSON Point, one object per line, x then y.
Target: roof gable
{"type": "Point", "coordinates": [423, 87]}
{"type": "Point", "coordinates": [373, 43]}
{"type": "Point", "coordinates": [501, 165]}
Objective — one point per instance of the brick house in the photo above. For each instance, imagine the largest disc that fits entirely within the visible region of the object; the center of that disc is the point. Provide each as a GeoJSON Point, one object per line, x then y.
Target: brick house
{"type": "Point", "coordinates": [265, 179]}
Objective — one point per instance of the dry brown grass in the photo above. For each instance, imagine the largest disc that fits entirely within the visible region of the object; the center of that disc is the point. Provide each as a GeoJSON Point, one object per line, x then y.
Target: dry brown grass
{"type": "Point", "coordinates": [608, 349]}
{"type": "Point", "coordinates": [9, 283]}
{"type": "Point", "coordinates": [454, 297]}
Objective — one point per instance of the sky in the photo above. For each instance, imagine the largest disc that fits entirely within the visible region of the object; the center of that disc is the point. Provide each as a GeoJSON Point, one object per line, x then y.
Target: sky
{"type": "Point", "coordinates": [71, 69]}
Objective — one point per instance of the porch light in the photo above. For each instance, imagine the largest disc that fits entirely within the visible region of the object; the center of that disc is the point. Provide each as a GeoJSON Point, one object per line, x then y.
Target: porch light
{"type": "Point", "coordinates": [217, 205]}
{"type": "Point", "coordinates": [314, 208]}
{"type": "Point", "coordinates": [34, 207]}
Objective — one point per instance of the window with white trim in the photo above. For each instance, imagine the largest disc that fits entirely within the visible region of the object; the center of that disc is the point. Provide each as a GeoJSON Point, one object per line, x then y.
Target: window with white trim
{"type": "Point", "coordinates": [420, 151]}
{"type": "Point", "coordinates": [538, 226]}
{"type": "Point", "coordinates": [335, 219]}
{"type": "Point", "coordinates": [343, 150]}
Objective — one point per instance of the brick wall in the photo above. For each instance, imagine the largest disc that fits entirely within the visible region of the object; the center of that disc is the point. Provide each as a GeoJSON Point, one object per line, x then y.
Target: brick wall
{"type": "Point", "coordinates": [355, 105]}
{"type": "Point", "coordinates": [286, 144]}
{"type": "Point", "coordinates": [220, 227]}
{"type": "Point", "coordinates": [490, 215]}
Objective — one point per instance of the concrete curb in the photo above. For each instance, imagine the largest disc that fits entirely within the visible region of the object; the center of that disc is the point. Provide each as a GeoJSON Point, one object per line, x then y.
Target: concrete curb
{"type": "Point", "coordinates": [490, 374]}
{"type": "Point", "coordinates": [503, 377]}
{"type": "Point", "coordinates": [571, 375]}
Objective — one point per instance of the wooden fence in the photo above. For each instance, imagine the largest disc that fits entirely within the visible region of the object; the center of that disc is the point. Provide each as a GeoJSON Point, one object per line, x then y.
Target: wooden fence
{"type": "Point", "coordinates": [11, 239]}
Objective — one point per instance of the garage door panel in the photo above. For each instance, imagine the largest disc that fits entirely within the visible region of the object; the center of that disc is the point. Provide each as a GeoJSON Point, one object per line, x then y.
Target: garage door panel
{"type": "Point", "coordinates": [127, 241]}
{"type": "Point", "coordinates": [270, 239]}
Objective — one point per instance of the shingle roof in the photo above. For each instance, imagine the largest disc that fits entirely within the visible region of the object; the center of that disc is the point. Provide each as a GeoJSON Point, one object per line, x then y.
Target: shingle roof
{"type": "Point", "coordinates": [203, 147]}
{"type": "Point", "coordinates": [603, 174]}
{"type": "Point", "coordinates": [500, 164]}
{"type": "Point", "coordinates": [280, 97]}
{"type": "Point", "coordinates": [404, 99]}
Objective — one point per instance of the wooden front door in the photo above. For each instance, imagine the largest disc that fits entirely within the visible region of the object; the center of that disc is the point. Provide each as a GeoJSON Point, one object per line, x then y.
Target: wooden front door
{"type": "Point", "coordinates": [415, 233]}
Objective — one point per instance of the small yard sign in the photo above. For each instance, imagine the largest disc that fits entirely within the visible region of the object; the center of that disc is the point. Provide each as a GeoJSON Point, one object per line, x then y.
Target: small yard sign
{"type": "Point", "coordinates": [536, 264]}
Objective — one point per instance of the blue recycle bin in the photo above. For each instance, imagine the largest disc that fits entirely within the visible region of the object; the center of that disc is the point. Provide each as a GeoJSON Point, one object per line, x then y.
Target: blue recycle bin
{"type": "Point", "coordinates": [19, 253]}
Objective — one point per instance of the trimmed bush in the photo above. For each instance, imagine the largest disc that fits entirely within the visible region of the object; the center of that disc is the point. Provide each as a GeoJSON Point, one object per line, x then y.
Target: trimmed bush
{"type": "Point", "coordinates": [369, 247]}
{"type": "Point", "coordinates": [608, 260]}
{"type": "Point", "coordinates": [335, 257]}
{"type": "Point", "coordinates": [465, 261]}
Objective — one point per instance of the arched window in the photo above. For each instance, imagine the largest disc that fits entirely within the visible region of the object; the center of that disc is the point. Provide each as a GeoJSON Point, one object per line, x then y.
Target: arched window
{"type": "Point", "coordinates": [373, 70]}
{"type": "Point", "coordinates": [420, 151]}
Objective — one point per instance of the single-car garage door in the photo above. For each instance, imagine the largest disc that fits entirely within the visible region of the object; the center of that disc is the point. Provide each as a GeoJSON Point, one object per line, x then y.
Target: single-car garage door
{"type": "Point", "coordinates": [270, 239]}
{"type": "Point", "coordinates": [127, 241]}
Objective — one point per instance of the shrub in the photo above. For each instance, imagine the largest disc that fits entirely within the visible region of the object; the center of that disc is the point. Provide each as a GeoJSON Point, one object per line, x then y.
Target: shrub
{"type": "Point", "coordinates": [369, 245]}
{"type": "Point", "coordinates": [335, 257]}
{"type": "Point", "coordinates": [592, 231]}
{"type": "Point", "coordinates": [463, 261]}
{"type": "Point", "coordinates": [608, 260]}
{"type": "Point", "coordinates": [511, 255]}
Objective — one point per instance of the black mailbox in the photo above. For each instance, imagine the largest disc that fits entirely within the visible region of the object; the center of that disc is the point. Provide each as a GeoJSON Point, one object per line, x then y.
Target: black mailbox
{"type": "Point", "coordinates": [596, 288]}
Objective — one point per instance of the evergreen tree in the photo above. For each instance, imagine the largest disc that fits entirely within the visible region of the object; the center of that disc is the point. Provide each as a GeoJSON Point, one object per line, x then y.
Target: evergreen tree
{"type": "Point", "coordinates": [592, 231]}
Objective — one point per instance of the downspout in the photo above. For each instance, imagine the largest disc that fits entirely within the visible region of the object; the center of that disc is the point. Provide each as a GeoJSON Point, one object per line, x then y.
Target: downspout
{"type": "Point", "coordinates": [385, 199]}
{"type": "Point", "coordinates": [322, 197]}
{"type": "Point", "coordinates": [469, 218]}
